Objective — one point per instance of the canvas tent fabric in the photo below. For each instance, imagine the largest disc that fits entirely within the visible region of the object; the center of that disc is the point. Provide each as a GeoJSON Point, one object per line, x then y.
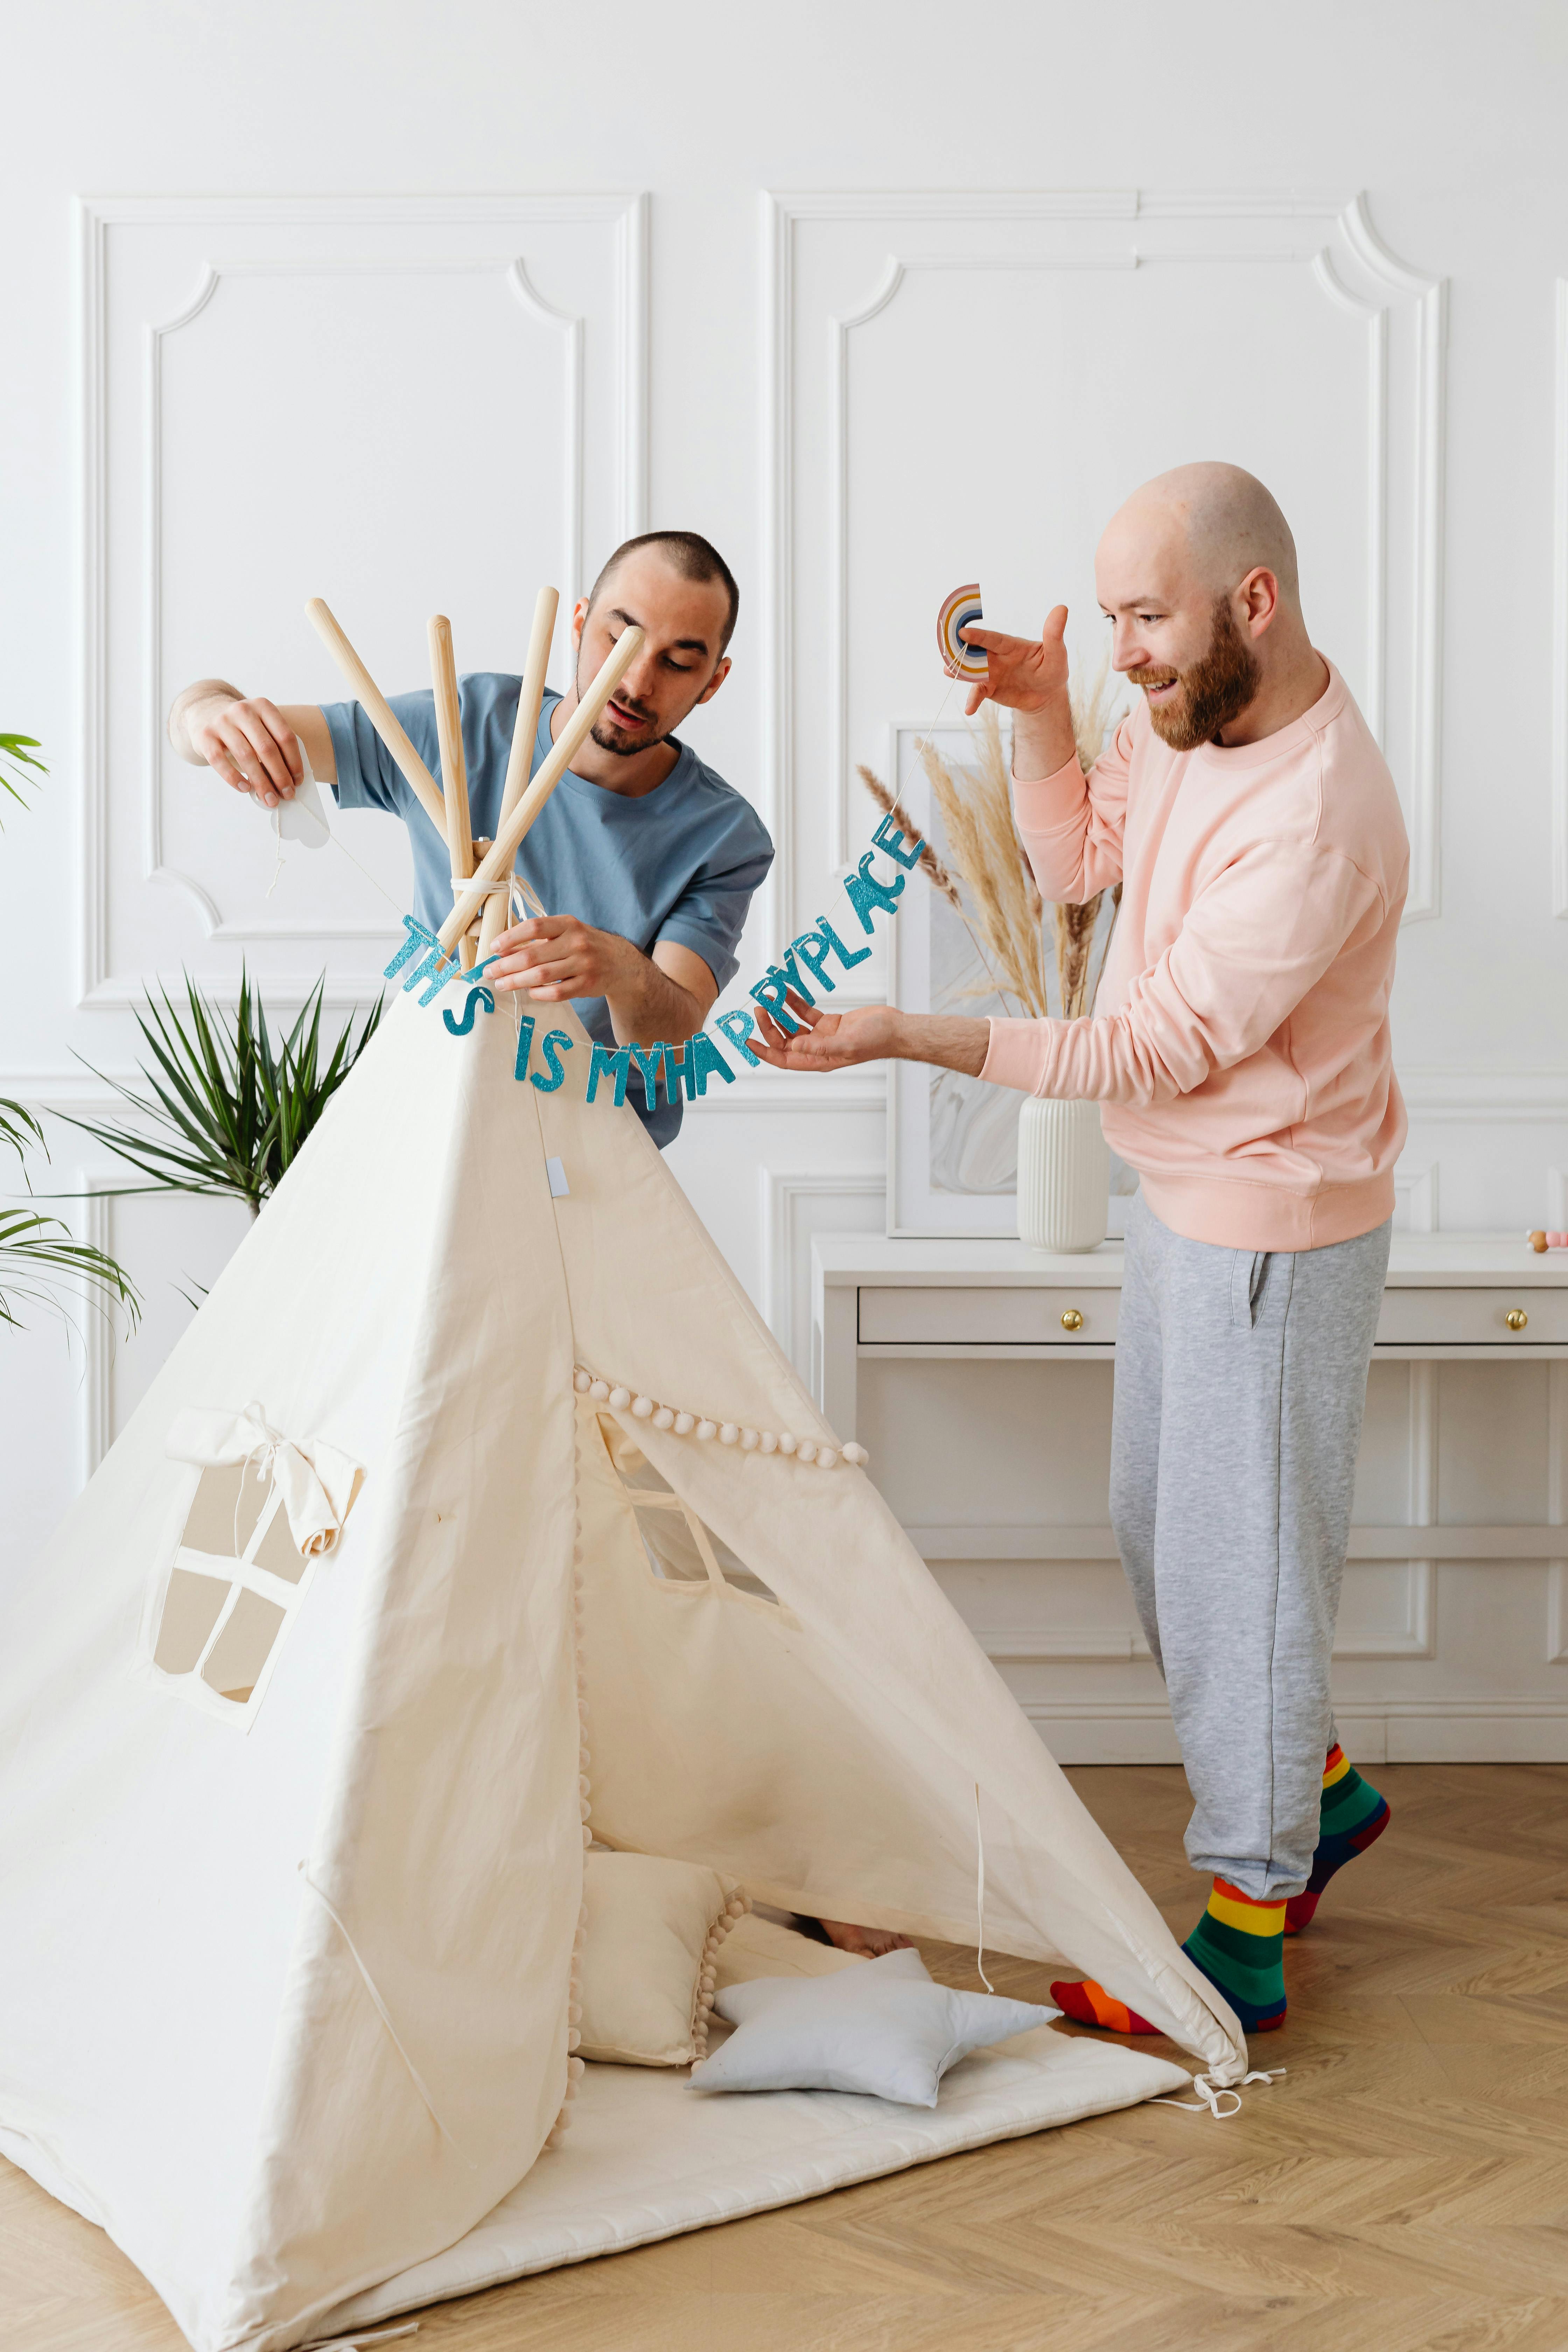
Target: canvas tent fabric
{"type": "Point", "coordinates": [284, 1973]}
{"type": "Point", "coordinates": [640, 2165]}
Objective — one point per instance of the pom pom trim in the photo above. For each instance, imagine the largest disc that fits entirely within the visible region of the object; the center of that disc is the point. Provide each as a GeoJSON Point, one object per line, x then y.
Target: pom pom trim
{"type": "Point", "coordinates": [734, 1911]}
{"type": "Point", "coordinates": [812, 1452]}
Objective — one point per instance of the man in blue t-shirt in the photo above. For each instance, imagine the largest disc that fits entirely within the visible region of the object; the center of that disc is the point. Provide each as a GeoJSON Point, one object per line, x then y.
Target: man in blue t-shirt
{"type": "Point", "coordinates": [644, 858]}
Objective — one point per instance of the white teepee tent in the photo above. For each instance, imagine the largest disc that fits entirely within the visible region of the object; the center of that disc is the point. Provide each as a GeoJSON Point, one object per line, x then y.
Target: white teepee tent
{"type": "Point", "coordinates": [284, 1996]}
{"type": "Point", "coordinates": [294, 1766]}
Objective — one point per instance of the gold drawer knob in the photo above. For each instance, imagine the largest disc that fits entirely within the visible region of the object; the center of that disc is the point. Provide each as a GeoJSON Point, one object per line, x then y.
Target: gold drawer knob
{"type": "Point", "coordinates": [1071, 1319]}
{"type": "Point", "coordinates": [1516, 1319]}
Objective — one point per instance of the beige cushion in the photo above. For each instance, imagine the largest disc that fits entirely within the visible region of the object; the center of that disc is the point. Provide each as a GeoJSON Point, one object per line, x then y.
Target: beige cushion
{"type": "Point", "coordinates": [654, 1929]}
{"type": "Point", "coordinates": [765, 1948]}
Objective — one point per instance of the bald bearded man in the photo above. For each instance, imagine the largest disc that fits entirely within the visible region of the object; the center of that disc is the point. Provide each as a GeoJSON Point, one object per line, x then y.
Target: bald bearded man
{"type": "Point", "coordinates": [1243, 1067]}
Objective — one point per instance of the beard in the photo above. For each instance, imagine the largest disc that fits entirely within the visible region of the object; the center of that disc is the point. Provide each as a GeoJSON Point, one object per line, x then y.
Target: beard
{"type": "Point", "coordinates": [1215, 688]}
{"type": "Point", "coordinates": [621, 742]}
{"type": "Point", "coordinates": [622, 745]}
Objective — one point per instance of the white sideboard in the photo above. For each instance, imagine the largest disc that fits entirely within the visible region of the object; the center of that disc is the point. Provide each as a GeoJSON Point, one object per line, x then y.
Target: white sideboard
{"type": "Point", "coordinates": [979, 1374]}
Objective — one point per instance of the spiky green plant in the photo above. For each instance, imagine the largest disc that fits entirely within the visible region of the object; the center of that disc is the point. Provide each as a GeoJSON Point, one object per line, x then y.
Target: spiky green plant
{"type": "Point", "coordinates": [226, 1111]}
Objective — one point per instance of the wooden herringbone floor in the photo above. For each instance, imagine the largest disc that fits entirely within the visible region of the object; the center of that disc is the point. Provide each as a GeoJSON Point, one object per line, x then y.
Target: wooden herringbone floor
{"type": "Point", "coordinates": [1404, 2189]}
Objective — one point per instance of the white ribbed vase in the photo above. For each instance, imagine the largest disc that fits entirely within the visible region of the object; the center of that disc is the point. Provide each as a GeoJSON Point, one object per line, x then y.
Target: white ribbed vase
{"type": "Point", "coordinates": [1064, 1175]}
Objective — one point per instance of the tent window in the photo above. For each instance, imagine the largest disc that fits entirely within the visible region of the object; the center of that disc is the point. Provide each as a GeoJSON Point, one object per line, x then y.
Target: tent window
{"type": "Point", "coordinates": [225, 1601]}
{"type": "Point", "coordinates": [234, 1664]}
{"type": "Point", "coordinates": [736, 1573]}
{"type": "Point", "coordinates": [278, 1552]}
{"type": "Point", "coordinates": [630, 1463]}
{"type": "Point", "coordinates": [224, 1510]}
{"type": "Point", "coordinates": [671, 1547]}
{"type": "Point", "coordinates": [681, 1548]}
{"type": "Point", "coordinates": [191, 1607]}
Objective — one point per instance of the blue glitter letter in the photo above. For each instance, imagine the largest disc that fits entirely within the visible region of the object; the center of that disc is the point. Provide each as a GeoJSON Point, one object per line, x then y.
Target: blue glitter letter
{"type": "Point", "coordinates": [554, 1045]}
{"type": "Point", "coordinates": [649, 1060]}
{"type": "Point", "coordinates": [738, 1026]}
{"type": "Point", "coordinates": [614, 1064]}
{"type": "Point", "coordinates": [419, 936]}
{"type": "Point", "coordinates": [847, 957]}
{"type": "Point", "coordinates": [866, 894]}
{"type": "Point", "coordinates": [888, 836]}
{"type": "Point", "coordinates": [707, 1061]}
{"type": "Point", "coordinates": [477, 996]}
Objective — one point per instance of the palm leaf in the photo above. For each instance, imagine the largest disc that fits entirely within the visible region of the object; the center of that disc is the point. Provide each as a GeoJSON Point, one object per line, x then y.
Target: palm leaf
{"type": "Point", "coordinates": [17, 754]}
{"type": "Point", "coordinates": [35, 1252]}
{"type": "Point", "coordinates": [20, 1129]}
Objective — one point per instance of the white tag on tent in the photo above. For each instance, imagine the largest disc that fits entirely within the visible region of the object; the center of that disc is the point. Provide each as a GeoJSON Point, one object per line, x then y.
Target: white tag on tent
{"type": "Point", "coordinates": [559, 1187]}
{"type": "Point", "coordinates": [304, 818]}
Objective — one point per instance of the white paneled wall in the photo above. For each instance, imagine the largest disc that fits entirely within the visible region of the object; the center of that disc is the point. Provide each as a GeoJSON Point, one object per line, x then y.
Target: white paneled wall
{"type": "Point", "coordinates": [874, 299]}
{"type": "Point", "coordinates": [358, 393]}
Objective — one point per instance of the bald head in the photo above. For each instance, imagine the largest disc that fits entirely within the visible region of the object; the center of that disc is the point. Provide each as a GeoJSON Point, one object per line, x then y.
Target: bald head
{"type": "Point", "coordinates": [1197, 573]}
{"type": "Point", "coordinates": [1224, 521]}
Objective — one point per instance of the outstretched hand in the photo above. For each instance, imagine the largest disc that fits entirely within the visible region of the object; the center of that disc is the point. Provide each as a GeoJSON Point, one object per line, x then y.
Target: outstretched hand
{"type": "Point", "coordinates": [1022, 674]}
{"type": "Point", "coordinates": [829, 1041]}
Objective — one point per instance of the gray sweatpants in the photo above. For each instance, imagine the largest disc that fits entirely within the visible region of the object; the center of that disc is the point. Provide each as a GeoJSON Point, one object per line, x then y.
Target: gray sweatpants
{"type": "Point", "coordinates": [1240, 1386]}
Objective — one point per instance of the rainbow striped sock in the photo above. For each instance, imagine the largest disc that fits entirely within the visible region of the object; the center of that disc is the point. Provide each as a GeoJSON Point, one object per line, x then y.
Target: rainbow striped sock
{"type": "Point", "coordinates": [1352, 1816]}
{"type": "Point", "coordinates": [1238, 1944]}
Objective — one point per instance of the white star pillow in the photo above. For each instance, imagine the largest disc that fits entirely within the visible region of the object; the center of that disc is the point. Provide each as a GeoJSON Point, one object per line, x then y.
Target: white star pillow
{"type": "Point", "coordinates": [882, 2028]}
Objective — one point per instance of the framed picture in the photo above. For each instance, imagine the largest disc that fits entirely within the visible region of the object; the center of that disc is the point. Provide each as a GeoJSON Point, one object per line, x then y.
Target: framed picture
{"type": "Point", "coordinates": [952, 1141]}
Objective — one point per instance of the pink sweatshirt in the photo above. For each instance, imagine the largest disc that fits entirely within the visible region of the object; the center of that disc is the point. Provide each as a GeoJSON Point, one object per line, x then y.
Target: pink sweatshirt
{"type": "Point", "coordinates": [1242, 1051]}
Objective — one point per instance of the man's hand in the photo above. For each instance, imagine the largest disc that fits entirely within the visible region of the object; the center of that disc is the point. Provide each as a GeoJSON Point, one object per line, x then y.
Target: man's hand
{"type": "Point", "coordinates": [1029, 679]}
{"type": "Point", "coordinates": [250, 744]}
{"type": "Point", "coordinates": [555, 958]}
{"type": "Point", "coordinates": [872, 1033]}
{"type": "Point", "coordinates": [1019, 673]}
{"type": "Point", "coordinates": [829, 1041]}
{"type": "Point", "coordinates": [253, 745]}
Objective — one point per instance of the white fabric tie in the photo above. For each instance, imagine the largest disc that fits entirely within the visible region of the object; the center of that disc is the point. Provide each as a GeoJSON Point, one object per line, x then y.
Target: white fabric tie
{"type": "Point", "coordinates": [1210, 2094]}
{"type": "Point", "coordinates": [980, 1897]}
{"type": "Point", "coordinates": [317, 1482]}
{"type": "Point", "coordinates": [463, 883]}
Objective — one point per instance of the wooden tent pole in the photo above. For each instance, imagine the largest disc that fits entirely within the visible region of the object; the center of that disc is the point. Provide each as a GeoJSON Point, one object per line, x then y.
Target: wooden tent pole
{"type": "Point", "coordinates": [454, 770]}
{"type": "Point", "coordinates": [426, 790]}
{"type": "Point", "coordinates": [497, 862]}
{"type": "Point", "coordinates": [496, 913]}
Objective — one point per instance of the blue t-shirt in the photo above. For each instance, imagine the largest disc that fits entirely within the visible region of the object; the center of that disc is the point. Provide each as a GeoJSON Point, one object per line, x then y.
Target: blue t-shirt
{"type": "Point", "coordinates": [680, 864]}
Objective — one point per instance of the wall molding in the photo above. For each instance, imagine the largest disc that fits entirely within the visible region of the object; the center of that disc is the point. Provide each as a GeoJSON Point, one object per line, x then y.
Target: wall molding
{"type": "Point", "coordinates": [625, 214]}
{"type": "Point", "coordinates": [1342, 237]}
{"type": "Point", "coordinates": [1484, 1092]}
{"type": "Point", "coordinates": [1395, 1730]}
{"type": "Point", "coordinates": [67, 1087]}
{"type": "Point", "coordinates": [1529, 1098]}
{"type": "Point", "coordinates": [1415, 1184]}
{"type": "Point", "coordinates": [1559, 613]}
{"type": "Point", "coordinates": [1557, 1511]}
{"type": "Point", "coordinates": [786, 1251]}
{"type": "Point", "coordinates": [93, 1432]}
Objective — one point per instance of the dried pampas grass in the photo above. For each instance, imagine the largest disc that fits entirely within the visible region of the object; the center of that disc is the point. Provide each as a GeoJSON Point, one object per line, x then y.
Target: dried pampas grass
{"type": "Point", "coordinates": [931, 863]}
{"type": "Point", "coordinates": [984, 848]}
{"type": "Point", "coordinates": [1004, 913]}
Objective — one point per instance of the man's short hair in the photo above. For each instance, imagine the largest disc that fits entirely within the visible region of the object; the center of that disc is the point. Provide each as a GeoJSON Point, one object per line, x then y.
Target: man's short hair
{"type": "Point", "coordinates": [690, 554]}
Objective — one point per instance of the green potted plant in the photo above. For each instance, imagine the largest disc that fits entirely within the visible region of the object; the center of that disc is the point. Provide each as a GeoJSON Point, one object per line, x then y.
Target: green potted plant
{"type": "Point", "coordinates": [226, 1109]}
